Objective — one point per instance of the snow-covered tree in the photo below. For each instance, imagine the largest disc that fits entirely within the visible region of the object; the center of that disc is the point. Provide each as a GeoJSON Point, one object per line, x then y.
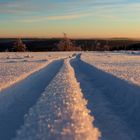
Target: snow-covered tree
{"type": "Point", "coordinates": [67, 45]}
{"type": "Point", "coordinates": [19, 46]}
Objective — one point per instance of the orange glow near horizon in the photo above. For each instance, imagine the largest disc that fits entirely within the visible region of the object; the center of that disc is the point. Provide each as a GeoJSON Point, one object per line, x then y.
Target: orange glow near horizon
{"type": "Point", "coordinates": [28, 19]}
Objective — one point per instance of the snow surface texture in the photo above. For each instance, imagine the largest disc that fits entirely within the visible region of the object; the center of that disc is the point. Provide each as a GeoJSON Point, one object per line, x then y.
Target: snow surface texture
{"type": "Point", "coordinates": [60, 113]}
{"type": "Point", "coordinates": [16, 100]}
{"type": "Point", "coordinates": [17, 66]}
{"type": "Point", "coordinates": [115, 103]}
{"type": "Point", "coordinates": [124, 65]}
{"type": "Point", "coordinates": [110, 90]}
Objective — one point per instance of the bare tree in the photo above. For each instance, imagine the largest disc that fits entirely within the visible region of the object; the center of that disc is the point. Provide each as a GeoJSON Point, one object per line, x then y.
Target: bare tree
{"type": "Point", "coordinates": [67, 45]}
{"type": "Point", "coordinates": [19, 46]}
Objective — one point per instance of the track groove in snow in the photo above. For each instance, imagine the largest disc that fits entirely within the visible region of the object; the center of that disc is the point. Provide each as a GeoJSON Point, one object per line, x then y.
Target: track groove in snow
{"type": "Point", "coordinates": [121, 65]}
{"type": "Point", "coordinates": [18, 72]}
{"type": "Point", "coordinates": [60, 113]}
{"type": "Point", "coordinates": [16, 100]}
{"type": "Point", "coordinates": [114, 102]}
{"type": "Point", "coordinates": [15, 67]}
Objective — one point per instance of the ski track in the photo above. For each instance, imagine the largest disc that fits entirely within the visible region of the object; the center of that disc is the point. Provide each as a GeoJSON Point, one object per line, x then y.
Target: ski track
{"type": "Point", "coordinates": [15, 67]}
{"type": "Point", "coordinates": [122, 65]}
{"type": "Point", "coordinates": [60, 113]}
{"type": "Point", "coordinates": [16, 100]}
{"type": "Point", "coordinates": [113, 102]}
{"type": "Point", "coordinates": [49, 104]}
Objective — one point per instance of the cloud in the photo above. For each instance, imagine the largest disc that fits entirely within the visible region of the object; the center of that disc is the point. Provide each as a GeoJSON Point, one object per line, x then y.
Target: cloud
{"type": "Point", "coordinates": [51, 6]}
{"type": "Point", "coordinates": [16, 7]}
{"type": "Point", "coordinates": [42, 10]}
{"type": "Point", "coordinates": [61, 17]}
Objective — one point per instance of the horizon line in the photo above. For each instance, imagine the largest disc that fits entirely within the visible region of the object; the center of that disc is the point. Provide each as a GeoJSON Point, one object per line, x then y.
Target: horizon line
{"type": "Point", "coordinates": [55, 37]}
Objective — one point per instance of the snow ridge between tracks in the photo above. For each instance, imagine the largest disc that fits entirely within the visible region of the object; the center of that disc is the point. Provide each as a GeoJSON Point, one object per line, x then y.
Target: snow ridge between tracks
{"type": "Point", "coordinates": [60, 113]}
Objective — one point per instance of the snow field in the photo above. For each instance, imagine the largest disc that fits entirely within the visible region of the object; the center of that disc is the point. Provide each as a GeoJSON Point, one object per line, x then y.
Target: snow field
{"type": "Point", "coordinates": [114, 102]}
{"type": "Point", "coordinates": [123, 65]}
{"type": "Point", "coordinates": [16, 100]}
{"type": "Point", "coordinates": [15, 67]}
{"type": "Point", "coordinates": [110, 90]}
{"type": "Point", "coordinates": [60, 113]}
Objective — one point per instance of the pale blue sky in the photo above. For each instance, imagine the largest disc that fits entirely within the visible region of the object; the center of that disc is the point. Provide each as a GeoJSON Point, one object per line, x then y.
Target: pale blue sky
{"type": "Point", "coordinates": [78, 18]}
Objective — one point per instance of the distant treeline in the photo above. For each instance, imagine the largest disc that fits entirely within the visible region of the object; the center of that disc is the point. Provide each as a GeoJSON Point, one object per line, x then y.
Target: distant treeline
{"type": "Point", "coordinates": [81, 44]}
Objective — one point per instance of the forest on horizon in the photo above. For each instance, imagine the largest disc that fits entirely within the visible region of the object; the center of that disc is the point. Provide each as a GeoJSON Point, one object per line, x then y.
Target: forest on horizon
{"type": "Point", "coordinates": [53, 44]}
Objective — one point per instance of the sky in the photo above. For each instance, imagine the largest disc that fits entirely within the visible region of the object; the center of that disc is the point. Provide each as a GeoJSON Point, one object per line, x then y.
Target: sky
{"type": "Point", "coordinates": [77, 18]}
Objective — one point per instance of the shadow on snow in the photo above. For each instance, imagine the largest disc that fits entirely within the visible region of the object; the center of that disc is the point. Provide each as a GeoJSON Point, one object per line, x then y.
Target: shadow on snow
{"type": "Point", "coordinates": [113, 102]}
{"type": "Point", "coordinates": [16, 100]}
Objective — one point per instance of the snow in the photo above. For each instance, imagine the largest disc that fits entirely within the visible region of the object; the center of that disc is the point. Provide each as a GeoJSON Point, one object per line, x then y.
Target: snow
{"type": "Point", "coordinates": [68, 96]}
{"type": "Point", "coordinates": [114, 102]}
{"type": "Point", "coordinates": [17, 66]}
{"type": "Point", "coordinates": [122, 65]}
{"type": "Point", "coordinates": [16, 100]}
{"type": "Point", "coordinates": [60, 113]}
